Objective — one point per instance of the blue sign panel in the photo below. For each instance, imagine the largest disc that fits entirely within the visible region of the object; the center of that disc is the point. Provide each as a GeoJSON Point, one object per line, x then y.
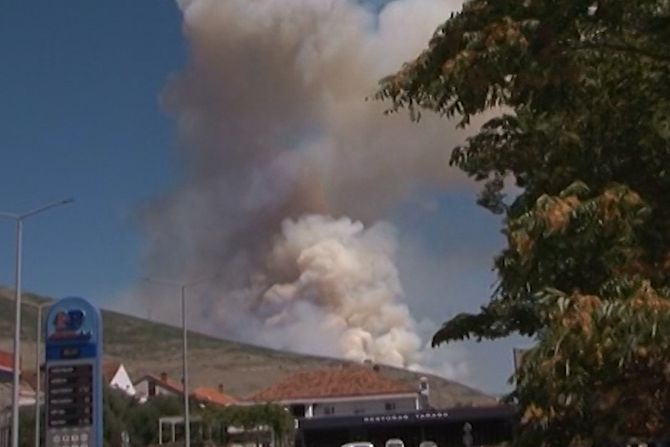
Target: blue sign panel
{"type": "Point", "coordinates": [73, 374]}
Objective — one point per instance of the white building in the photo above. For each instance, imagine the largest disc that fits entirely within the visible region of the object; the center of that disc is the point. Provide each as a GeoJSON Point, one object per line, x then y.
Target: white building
{"type": "Point", "coordinates": [26, 395]}
{"type": "Point", "coordinates": [150, 386]}
{"type": "Point", "coordinates": [117, 377]}
{"type": "Point", "coordinates": [341, 391]}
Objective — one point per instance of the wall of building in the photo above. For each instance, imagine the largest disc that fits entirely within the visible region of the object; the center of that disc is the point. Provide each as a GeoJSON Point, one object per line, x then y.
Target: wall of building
{"type": "Point", "coordinates": [5, 395]}
{"type": "Point", "coordinates": [142, 390]}
{"type": "Point", "coordinates": [5, 427]}
{"type": "Point", "coordinates": [121, 381]}
{"type": "Point", "coordinates": [367, 406]}
{"type": "Point", "coordinates": [444, 432]}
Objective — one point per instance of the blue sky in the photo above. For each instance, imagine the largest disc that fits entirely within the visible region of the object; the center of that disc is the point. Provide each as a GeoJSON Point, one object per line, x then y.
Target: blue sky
{"type": "Point", "coordinates": [80, 117]}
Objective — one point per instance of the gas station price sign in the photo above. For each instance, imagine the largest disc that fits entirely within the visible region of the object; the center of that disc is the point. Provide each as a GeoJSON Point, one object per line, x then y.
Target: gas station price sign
{"type": "Point", "coordinates": [73, 375]}
{"type": "Point", "coordinates": [70, 395]}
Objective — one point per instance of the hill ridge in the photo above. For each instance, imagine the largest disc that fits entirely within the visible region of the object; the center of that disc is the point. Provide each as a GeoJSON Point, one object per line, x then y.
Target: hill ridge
{"type": "Point", "coordinates": [151, 347]}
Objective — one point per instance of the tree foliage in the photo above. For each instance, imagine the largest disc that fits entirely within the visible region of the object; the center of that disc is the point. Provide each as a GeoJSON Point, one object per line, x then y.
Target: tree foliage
{"type": "Point", "coordinates": [577, 96]}
{"type": "Point", "coordinates": [140, 420]}
{"type": "Point", "coordinates": [600, 372]}
{"type": "Point", "coordinates": [27, 426]}
{"type": "Point", "coordinates": [122, 413]}
{"type": "Point", "coordinates": [249, 417]}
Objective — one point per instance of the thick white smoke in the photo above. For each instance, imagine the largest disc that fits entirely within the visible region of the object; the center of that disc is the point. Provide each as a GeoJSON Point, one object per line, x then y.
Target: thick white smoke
{"type": "Point", "coordinates": [277, 135]}
{"type": "Point", "coordinates": [347, 273]}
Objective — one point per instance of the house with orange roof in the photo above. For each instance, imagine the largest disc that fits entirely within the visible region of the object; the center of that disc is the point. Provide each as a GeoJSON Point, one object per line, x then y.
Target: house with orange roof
{"type": "Point", "coordinates": [6, 366]}
{"type": "Point", "coordinates": [214, 396]}
{"type": "Point", "coordinates": [150, 386]}
{"type": "Point", "coordinates": [26, 394]}
{"type": "Point", "coordinates": [345, 390]}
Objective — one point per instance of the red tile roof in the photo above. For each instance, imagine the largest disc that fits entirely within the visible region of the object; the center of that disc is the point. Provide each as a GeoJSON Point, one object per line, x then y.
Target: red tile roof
{"type": "Point", "coordinates": [109, 370]}
{"type": "Point", "coordinates": [6, 366]}
{"type": "Point", "coordinates": [212, 395]}
{"type": "Point", "coordinates": [346, 381]}
{"type": "Point", "coordinates": [6, 361]}
{"type": "Point", "coordinates": [166, 383]}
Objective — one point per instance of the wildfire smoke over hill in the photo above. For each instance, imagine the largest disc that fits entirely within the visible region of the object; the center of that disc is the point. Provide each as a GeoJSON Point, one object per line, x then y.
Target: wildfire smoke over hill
{"type": "Point", "coordinates": [290, 173]}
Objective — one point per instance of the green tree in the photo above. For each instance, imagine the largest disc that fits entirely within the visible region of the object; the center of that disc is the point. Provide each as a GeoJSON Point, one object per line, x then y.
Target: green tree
{"type": "Point", "coordinates": [116, 413]}
{"type": "Point", "coordinates": [122, 413]}
{"type": "Point", "coordinates": [27, 426]}
{"type": "Point", "coordinates": [577, 96]}
{"type": "Point", "coordinates": [249, 417]}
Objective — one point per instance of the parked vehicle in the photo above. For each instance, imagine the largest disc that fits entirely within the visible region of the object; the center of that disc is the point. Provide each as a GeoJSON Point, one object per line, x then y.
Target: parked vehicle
{"type": "Point", "coordinates": [428, 444]}
{"type": "Point", "coordinates": [394, 443]}
{"type": "Point", "coordinates": [358, 444]}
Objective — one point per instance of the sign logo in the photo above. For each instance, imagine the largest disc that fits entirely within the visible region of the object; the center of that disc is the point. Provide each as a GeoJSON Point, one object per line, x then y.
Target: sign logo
{"type": "Point", "coordinates": [69, 326]}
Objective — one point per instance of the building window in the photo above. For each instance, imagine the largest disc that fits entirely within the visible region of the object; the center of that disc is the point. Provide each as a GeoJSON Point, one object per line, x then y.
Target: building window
{"type": "Point", "coordinates": [329, 411]}
{"type": "Point", "coordinates": [298, 410]}
{"type": "Point", "coordinates": [152, 388]}
{"type": "Point", "coordinates": [359, 410]}
{"type": "Point", "coordinates": [389, 406]}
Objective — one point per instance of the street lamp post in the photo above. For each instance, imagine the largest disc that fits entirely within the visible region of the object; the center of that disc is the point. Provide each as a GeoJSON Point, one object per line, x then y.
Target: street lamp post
{"type": "Point", "coordinates": [183, 287]}
{"type": "Point", "coordinates": [184, 370]}
{"type": "Point", "coordinates": [19, 218]}
{"type": "Point", "coordinates": [38, 358]}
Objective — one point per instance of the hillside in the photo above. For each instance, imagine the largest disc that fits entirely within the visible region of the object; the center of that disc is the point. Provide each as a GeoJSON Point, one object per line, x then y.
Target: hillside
{"type": "Point", "coordinates": [150, 347]}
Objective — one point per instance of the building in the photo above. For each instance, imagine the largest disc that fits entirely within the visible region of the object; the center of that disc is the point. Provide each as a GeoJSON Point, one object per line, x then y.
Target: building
{"type": "Point", "coordinates": [150, 386]}
{"type": "Point", "coordinates": [6, 366]}
{"type": "Point", "coordinates": [26, 395]}
{"type": "Point", "coordinates": [6, 370]}
{"type": "Point", "coordinates": [213, 396]}
{"type": "Point", "coordinates": [360, 403]}
{"type": "Point", "coordinates": [341, 391]}
{"type": "Point", "coordinates": [171, 428]}
{"type": "Point", "coordinates": [116, 376]}
{"type": "Point", "coordinates": [5, 426]}
{"type": "Point", "coordinates": [456, 427]}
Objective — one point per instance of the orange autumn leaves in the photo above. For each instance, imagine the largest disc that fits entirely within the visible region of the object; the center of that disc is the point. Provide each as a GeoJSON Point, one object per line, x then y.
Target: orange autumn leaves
{"type": "Point", "coordinates": [616, 350]}
{"type": "Point", "coordinates": [616, 209]}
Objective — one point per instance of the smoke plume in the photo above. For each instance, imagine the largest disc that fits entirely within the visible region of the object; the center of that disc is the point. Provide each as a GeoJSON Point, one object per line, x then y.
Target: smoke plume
{"type": "Point", "coordinates": [276, 138]}
{"type": "Point", "coordinates": [346, 273]}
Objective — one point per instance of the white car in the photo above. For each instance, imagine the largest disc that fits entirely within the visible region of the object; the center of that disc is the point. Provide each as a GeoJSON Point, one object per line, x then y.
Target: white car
{"type": "Point", "coordinates": [394, 443]}
{"type": "Point", "coordinates": [358, 444]}
{"type": "Point", "coordinates": [428, 444]}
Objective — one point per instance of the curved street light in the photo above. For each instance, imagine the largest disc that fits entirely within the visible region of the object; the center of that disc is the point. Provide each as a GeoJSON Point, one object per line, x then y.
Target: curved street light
{"type": "Point", "coordinates": [19, 218]}
{"type": "Point", "coordinates": [183, 286]}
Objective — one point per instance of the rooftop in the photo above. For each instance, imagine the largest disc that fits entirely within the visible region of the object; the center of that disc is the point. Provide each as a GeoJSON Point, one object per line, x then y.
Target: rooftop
{"type": "Point", "coordinates": [345, 381]}
{"type": "Point", "coordinates": [6, 364]}
{"type": "Point", "coordinates": [163, 381]}
{"type": "Point", "coordinates": [212, 395]}
{"type": "Point", "coordinates": [109, 369]}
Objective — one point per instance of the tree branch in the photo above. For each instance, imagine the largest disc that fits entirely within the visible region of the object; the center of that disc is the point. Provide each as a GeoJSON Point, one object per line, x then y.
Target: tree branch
{"type": "Point", "coordinates": [624, 49]}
